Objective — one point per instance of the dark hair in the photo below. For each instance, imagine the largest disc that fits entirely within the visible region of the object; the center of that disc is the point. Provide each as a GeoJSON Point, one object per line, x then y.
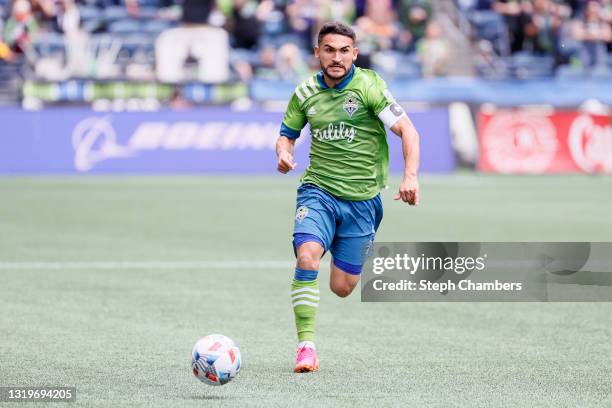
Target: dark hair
{"type": "Point", "coordinates": [336, 27]}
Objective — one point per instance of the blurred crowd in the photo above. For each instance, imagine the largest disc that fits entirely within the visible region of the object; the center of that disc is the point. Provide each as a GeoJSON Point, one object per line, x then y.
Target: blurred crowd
{"type": "Point", "coordinates": [577, 32]}
{"type": "Point", "coordinates": [219, 40]}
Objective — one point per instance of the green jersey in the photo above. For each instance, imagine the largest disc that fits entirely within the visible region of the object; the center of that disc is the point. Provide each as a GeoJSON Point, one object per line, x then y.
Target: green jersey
{"type": "Point", "coordinates": [349, 155]}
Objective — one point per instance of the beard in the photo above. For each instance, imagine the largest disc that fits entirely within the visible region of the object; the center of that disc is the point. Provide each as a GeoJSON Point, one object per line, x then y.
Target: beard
{"type": "Point", "coordinates": [332, 75]}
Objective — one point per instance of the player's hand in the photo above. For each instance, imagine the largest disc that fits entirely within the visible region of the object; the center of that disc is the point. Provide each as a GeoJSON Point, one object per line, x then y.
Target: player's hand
{"type": "Point", "coordinates": [285, 162]}
{"type": "Point", "coordinates": [409, 191]}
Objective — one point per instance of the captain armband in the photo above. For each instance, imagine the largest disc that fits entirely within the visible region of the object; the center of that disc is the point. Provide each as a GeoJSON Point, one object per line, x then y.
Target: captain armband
{"type": "Point", "coordinates": [391, 114]}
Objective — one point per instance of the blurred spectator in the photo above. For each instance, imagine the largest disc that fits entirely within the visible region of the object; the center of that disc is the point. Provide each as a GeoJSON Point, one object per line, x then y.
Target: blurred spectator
{"type": "Point", "coordinates": [376, 26]}
{"type": "Point", "coordinates": [291, 65]}
{"type": "Point", "coordinates": [272, 39]}
{"type": "Point", "coordinates": [305, 17]}
{"type": "Point", "coordinates": [302, 16]}
{"type": "Point", "coordinates": [76, 40]}
{"type": "Point", "coordinates": [337, 10]}
{"type": "Point", "coordinates": [542, 28]}
{"type": "Point", "coordinates": [433, 52]}
{"type": "Point", "coordinates": [576, 6]}
{"type": "Point", "coordinates": [67, 17]}
{"type": "Point", "coordinates": [606, 10]}
{"type": "Point", "coordinates": [198, 39]}
{"type": "Point", "coordinates": [287, 64]}
{"type": "Point", "coordinates": [5, 52]}
{"type": "Point", "coordinates": [594, 34]}
{"type": "Point", "coordinates": [43, 10]}
{"type": "Point", "coordinates": [266, 69]}
{"type": "Point", "coordinates": [21, 27]}
{"type": "Point", "coordinates": [244, 24]}
{"type": "Point", "coordinates": [375, 30]}
{"type": "Point", "coordinates": [413, 16]}
{"type": "Point", "coordinates": [197, 12]}
{"type": "Point", "coordinates": [514, 13]}
{"type": "Point", "coordinates": [133, 6]}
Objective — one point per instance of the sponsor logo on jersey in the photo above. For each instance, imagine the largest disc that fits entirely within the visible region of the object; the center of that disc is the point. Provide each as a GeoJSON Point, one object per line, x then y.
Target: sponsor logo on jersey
{"type": "Point", "coordinates": [311, 111]}
{"type": "Point", "coordinates": [350, 104]}
{"type": "Point", "coordinates": [301, 213]}
{"type": "Point", "coordinates": [335, 132]}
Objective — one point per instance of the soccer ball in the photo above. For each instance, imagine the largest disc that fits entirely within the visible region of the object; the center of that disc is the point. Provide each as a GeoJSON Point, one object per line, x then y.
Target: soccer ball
{"type": "Point", "coordinates": [215, 359]}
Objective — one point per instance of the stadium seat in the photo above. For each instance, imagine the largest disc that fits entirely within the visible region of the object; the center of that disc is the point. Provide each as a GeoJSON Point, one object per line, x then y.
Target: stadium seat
{"type": "Point", "coordinates": [499, 68]}
{"type": "Point", "coordinates": [523, 65]}
{"type": "Point", "coordinates": [602, 72]}
{"type": "Point", "coordinates": [491, 26]}
{"type": "Point", "coordinates": [155, 27]}
{"type": "Point", "coordinates": [89, 12]}
{"type": "Point", "coordinates": [49, 44]}
{"type": "Point", "coordinates": [570, 73]}
{"type": "Point", "coordinates": [397, 66]}
{"type": "Point", "coordinates": [138, 44]}
{"type": "Point", "coordinates": [526, 65]}
{"type": "Point", "coordinates": [115, 13]}
{"type": "Point", "coordinates": [9, 83]}
{"type": "Point", "coordinates": [147, 13]}
{"type": "Point", "coordinates": [125, 26]}
{"type": "Point", "coordinates": [92, 19]}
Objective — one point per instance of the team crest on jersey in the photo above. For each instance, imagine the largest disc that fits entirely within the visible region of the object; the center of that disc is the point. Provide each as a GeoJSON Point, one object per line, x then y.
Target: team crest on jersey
{"type": "Point", "coordinates": [350, 104]}
{"type": "Point", "coordinates": [301, 213]}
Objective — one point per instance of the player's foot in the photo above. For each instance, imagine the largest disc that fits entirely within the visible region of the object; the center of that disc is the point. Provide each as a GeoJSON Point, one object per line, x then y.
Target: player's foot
{"type": "Point", "coordinates": [307, 360]}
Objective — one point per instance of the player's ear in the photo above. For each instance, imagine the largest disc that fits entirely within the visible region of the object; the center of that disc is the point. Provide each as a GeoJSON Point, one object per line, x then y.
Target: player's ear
{"type": "Point", "coordinates": [316, 51]}
{"type": "Point", "coordinates": [355, 53]}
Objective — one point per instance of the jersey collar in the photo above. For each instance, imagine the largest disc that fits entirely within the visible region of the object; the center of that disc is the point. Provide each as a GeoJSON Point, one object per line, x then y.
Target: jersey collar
{"type": "Point", "coordinates": [342, 84]}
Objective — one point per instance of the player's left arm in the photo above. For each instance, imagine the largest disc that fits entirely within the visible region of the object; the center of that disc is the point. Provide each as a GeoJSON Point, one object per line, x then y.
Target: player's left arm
{"type": "Point", "coordinates": [409, 188]}
{"type": "Point", "coordinates": [394, 117]}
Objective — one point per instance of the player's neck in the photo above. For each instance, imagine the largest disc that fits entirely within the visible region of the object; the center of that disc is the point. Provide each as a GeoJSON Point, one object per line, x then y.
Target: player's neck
{"type": "Point", "coordinates": [331, 82]}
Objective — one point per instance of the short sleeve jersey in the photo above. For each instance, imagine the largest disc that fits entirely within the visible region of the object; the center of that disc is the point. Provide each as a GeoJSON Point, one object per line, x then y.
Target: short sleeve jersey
{"type": "Point", "coordinates": [349, 155]}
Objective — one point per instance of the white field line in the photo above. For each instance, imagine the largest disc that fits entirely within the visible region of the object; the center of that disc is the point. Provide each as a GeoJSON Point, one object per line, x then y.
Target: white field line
{"type": "Point", "coordinates": [114, 265]}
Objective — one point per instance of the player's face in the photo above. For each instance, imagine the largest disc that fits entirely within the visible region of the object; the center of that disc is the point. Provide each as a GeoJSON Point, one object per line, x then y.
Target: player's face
{"type": "Point", "coordinates": [336, 54]}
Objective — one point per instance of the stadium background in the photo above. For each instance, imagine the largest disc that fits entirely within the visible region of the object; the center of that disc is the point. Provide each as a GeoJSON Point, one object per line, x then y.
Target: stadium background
{"type": "Point", "coordinates": [184, 230]}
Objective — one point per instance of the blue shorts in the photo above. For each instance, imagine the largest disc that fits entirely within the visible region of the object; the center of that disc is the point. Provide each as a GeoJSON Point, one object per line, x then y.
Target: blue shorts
{"type": "Point", "coordinates": [346, 228]}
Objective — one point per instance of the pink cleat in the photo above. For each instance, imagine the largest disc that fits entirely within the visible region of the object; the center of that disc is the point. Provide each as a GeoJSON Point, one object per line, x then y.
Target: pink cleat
{"type": "Point", "coordinates": [307, 360]}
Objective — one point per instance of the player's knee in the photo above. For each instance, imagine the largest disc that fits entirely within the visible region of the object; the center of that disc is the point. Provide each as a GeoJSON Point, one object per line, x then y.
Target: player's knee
{"type": "Point", "coordinates": [342, 290]}
{"type": "Point", "coordinates": [308, 261]}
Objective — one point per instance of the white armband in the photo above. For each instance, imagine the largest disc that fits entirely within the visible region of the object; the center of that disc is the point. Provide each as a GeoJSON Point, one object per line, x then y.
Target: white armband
{"type": "Point", "coordinates": [391, 114]}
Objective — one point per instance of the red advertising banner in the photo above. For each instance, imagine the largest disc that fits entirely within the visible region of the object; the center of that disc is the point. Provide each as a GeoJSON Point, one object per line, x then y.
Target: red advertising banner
{"type": "Point", "coordinates": [541, 142]}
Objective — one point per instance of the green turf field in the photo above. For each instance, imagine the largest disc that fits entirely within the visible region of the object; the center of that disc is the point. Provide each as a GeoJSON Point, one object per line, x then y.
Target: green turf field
{"type": "Point", "coordinates": [107, 282]}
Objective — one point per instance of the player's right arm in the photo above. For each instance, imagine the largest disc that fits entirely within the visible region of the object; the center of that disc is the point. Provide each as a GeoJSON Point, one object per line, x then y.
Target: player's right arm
{"type": "Point", "coordinates": [292, 125]}
{"type": "Point", "coordinates": [284, 152]}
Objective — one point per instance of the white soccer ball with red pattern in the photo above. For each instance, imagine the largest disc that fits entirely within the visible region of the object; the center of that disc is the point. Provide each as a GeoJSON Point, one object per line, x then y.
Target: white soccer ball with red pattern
{"type": "Point", "coordinates": [215, 359]}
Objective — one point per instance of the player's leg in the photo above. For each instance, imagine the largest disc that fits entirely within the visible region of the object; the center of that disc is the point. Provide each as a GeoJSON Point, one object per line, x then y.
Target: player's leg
{"type": "Point", "coordinates": [314, 229]}
{"type": "Point", "coordinates": [359, 221]}
{"type": "Point", "coordinates": [305, 289]}
{"type": "Point", "coordinates": [305, 302]}
{"type": "Point", "coordinates": [341, 282]}
{"type": "Point", "coordinates": [348, 255]}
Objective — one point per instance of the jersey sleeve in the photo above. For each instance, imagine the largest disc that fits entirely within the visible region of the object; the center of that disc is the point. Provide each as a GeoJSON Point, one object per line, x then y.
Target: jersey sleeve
{"type": "Point", "coordinates": [294, 119]}
{"type": "Point", "coordinates": [383, 104]}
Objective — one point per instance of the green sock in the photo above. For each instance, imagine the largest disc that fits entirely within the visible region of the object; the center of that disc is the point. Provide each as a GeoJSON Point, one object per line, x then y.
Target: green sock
{"type": "Point", "coordinates": [305, 300]}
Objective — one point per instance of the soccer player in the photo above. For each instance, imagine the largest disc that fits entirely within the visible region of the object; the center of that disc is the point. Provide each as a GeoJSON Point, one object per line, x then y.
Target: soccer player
{"type": "Point", "coordinates": [338, 205]}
